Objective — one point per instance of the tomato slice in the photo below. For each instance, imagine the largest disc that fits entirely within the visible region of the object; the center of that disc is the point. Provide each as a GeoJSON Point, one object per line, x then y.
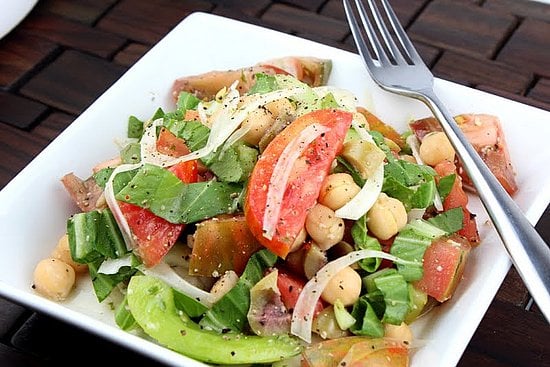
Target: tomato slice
{"type": "Point", "coordinates": [457, 198]}
{"type": "Point", "coordinates": [356, 351]}
{"type": "Point", "coordinates": [301, 187]}
{"type": "Point", "coordinates": [444, 262]}
{"type": "Point", "coordinates": [290, 287]}
{"type": "Point", "coordinates": [154, 235]}
{"type": "Point", "coordinates": [220, 244]}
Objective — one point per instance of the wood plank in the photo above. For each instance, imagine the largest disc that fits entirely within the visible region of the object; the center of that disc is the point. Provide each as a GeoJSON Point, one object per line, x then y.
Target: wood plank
{"type": "Point", "coordinates": [73, 81]}
{"type": "Point", "coordinates": [528, 48]}
{"type": "Point", "coordinates": [73, 34]}
{"type": "Point", "coordinates": [510, 334]}
{"type": "Point", "coordinates": [291, 20]}
{"type": "Point", "coordinates": [520, 8]}
{"type": "Point", "coordinates": [252, 9]}
{"type": "Point", "coordinates": [147, 21]}
{"type": "Point", "coordinates": [311, 5]}
{"type": "Point", "coordinates": [472, 71]}
{"type": "Point", "coordinates": [513, 290]}
{"type": "Point", "coordinates": [20, 54]}
{"type": "Point", "coordinates": [541, 90]}
{"type": "Point", "coordinates": [464, 28]}
{"type": "Point", "coordinates": [19, 111]}
{"type": "Point", "coordinates": [84, 11]}
{"type": "Point", "coordinates": [53, 125]}
{"type": "Point", "coordinates": [131, 53]}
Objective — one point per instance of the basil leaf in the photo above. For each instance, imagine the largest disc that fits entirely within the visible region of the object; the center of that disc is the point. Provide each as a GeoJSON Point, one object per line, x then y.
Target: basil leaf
{"type": "Point", "coordinates": [396, 297]}
{"type": "Point", "coordinates": [449, 221]}
{"type": "Point", "coordinates": [234, 164]}
{"type": "Point", "coordinates": [264, 84]}
{"type": "Point", "coordinates": [164, 194]}
{"type": "Point", "coordinates": [135, 127]}
{"type": "Point", "coordinates": [131, 153]}
{"type": "Point", "coordinates": [229, 313]}
{"type": "Point", "coordinates": [363, 241]}
{"type": "Point", "coordinates": [367, 323]}
{"type": "Point", "coordinates": [445, 185]}
{"type": "Point", "coordinates": [105, 283]}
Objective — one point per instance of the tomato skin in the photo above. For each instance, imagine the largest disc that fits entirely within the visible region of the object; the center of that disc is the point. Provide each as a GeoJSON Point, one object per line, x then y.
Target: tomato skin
{"type": "Point", "coordinates": [304, 183]}
{"type": "Point", "coordinates": [169, 144]}
{"type": "Point", "coordinates": [457, 198]}
{"type": "Point", "coordinates": [154, 235]}
{"type": "Point", "coordinates": [290, 287]}
{"type": "Point", "coordinates": [444, 262]}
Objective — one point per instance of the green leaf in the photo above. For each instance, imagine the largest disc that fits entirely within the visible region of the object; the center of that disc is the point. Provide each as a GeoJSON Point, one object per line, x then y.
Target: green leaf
{"type": "Point", "coordinates": [190, 306]}
{"type": "Point", "coordinates": [230, 312]}
{"type": "Point", "coordinates": [234, 164]}
{"type": "Point", "coordinates": [131, 153]}
{"type": "Point", "coordinates": [445, 185]}
{"type": "Point", "coordinates": [105, 283]}
{"type": "Point", "coordinates": [164, 194]}
{"type": "Point", "coordinates": [363, 241]}
{"type": "Point", "coordinates": [135, 127]}
{"type": "Point", "coordinates": [367, 323]}
{"type": "Point", "coordinates": [194, 133]}
{"type": "Point", "coordinates": [449, 221]}
{"type": "Point", "coordinates": [102, 176]}
{"type": "Point", "coordinates": [123, 316]}
{"type": "Point", "coordinates": [264, 84]}
{"type": "Point", "coordinates": [94, 235]}
{"type": "Point", "coordinates": [396, 297]}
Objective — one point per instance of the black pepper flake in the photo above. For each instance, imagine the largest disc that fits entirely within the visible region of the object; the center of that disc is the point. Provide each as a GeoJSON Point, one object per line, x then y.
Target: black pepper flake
{"type": "Point", "coordinates": [232, 353]}
{"type": "Point", "coordinates": [183, 332]}
{"type": "Point", "coordinates": [225, 330]}
{"type": "Point", "coordinates": [290, 288]}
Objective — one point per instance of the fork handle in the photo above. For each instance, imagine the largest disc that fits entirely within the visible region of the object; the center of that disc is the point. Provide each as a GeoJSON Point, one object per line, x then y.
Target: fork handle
{"type": "Point", "coordinates": [527, 250]}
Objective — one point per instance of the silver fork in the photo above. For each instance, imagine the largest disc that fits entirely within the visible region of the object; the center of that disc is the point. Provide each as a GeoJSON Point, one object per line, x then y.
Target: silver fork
{"type": "Point", "coordinates": [397, 67]}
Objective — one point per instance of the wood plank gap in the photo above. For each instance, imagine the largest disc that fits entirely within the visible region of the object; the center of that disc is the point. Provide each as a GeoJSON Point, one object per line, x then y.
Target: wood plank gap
{"type": "Point", "coordinates": [105, 12]}
{"type": "Point", "coordinates": [507, 37]}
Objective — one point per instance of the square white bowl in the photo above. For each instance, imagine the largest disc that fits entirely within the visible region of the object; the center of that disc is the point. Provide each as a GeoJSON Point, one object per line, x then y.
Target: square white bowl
{"type": "Point", "coordinates": [34, 206]}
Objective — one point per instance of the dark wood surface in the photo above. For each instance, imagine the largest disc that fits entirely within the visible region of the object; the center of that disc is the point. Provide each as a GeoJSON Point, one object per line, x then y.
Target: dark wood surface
{"type": "Point", "coordinates": [66, 53]}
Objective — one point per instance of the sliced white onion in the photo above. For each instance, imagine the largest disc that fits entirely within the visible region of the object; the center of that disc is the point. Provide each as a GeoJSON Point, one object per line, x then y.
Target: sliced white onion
{"type": "Point", "coordinates": [115, 209]}
{"type": "Point", "coordinates": [345, 99]}
{"type": "Point", "coordinates": [304, 310]}
{"type": "Point", "coordinates": [281, 174]}
{"type": "Point", "coordinates": [164, 272]}
{"type": "Point", "coordinates": [366, 197]}
{"type": "Point", "coordinates": [414, 144]}
{"type": "Point", "coordinates": [112, 266]}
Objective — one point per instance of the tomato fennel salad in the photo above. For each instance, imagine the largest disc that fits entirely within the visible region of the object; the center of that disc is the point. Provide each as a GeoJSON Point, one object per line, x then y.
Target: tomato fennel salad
{"type": "Point", "coordinates": [269, 219]}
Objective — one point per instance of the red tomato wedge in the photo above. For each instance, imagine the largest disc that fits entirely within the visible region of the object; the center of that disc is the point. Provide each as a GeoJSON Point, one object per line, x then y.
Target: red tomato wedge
{"type": "Point", "coordinates": [444, 262]}
{"type": "Point", "coordinates": [287, 178]}
{"type": "Point", "coordinates": [154, 235]}
{"type": "Point", "coordinates": [457, 198]}
{"type": "Point", "coordinates": [290, 287]}
{"type": "Point", "coordinates": [485, 134]}
{"type": "Point", "coordinates": [356, 351]}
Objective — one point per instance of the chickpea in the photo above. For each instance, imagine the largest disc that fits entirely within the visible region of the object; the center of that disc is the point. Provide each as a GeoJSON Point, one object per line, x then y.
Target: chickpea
{"type": "Point", "coordinates": [280, 107]}
{"type": "Point", "coordinates": [298, 241]}
{"type": "Point", "coordinates": [258, 121]}
{"type": "Point", "coordinates": [324, 227]}
{"type": "Point", "coordinates": [337, 190]}
{"type": "Point", "coordinates": [345, 286]}
{"type": "Point", "coordinates": [386, 217]}
{"type": "Point", "coordinates": [436, 148]}
{"type": "Point", "coordinates": [54, 279]}
{"type": "Point", "coordinates": [63, 253]}
{"type": "Point", "coordinates": [401, 332]}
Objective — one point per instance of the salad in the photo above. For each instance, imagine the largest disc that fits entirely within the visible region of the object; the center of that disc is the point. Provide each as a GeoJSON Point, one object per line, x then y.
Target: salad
{"type": "Point", "coordinates": [270, 215]}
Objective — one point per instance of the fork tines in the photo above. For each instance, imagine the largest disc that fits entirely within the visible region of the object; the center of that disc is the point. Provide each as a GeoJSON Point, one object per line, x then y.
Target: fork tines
{"type": "Point", "coordinates": [379, 34]}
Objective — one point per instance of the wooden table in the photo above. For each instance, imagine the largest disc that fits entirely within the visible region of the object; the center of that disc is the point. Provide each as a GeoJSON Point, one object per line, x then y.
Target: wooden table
{"type": "Point", "coordinates": [66, 53]}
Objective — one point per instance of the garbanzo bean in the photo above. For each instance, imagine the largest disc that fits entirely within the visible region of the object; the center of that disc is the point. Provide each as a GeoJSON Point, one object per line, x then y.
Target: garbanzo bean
{"type": "Point", "coordinates": [337, 190]}
{"type": "Point", "coordinates": [436, 148]}
{"type": "Point", "coordinates": [54, 279]}
{"type": "Point", "coordinates": [258, 121]}
{"type": "Point", "coordinates": [345, 286]}
{"type": "Point", "coordinates": [324, 227]}
{"type": "Point", "coordinates": [401, 332]}
{"type": "Point", "coordinates": [386, 217]}
{"type": "Point", "coordinates": [63, 253]}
